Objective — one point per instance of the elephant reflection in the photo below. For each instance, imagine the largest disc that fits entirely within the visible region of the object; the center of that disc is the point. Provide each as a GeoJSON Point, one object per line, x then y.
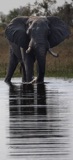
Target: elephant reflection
{"type": "Point", "coordinates": [30, 38]}
{"type": "Point", "coordinates": [26, 98]}
{"type": "Point", "coordinates": [27, 108]}
{"type": "Point", "coordinates": [36, 127]}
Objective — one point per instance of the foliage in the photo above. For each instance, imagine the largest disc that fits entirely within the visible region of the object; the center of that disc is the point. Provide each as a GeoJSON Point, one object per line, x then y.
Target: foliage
{"type": "Point", "coordinates": [12, 14]}
{"type": "Point", "coordinates": [43, 8]}
{"type": "Point", "coordinates": [22, 11]}
{"type": "Point", "coordinates": [38, 8]}
{"type": "Point", "coordinates": [66, 12]}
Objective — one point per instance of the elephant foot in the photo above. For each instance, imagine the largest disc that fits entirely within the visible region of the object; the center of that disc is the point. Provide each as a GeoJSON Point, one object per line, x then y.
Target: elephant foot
{"type": "Point", "coordinates": [7, 79]}
{"type": "Point", "coordinates": [35, 80]}
{"type": "Point", "coordinates": [40, 80]}
{"type": "Point", "coordinates": [31, 82]}
{"type": "Point", "coordinates": [9, 83]}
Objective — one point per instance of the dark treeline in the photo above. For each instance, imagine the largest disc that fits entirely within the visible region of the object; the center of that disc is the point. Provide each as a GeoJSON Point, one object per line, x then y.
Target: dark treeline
{"type": "Point", "coordinates": [44, 8]}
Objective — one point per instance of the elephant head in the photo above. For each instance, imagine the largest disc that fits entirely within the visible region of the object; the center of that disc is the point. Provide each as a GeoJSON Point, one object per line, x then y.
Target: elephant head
{"type": "Point", "coordinates": [37, 34]}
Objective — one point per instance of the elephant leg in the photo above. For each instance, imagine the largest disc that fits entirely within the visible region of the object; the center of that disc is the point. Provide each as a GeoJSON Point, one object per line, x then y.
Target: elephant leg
{"type": "Point", "coordinates": [41, 60]}
{"type": "Point", "coordinates": [23, 73]}
{"type": "Point", "coordinates": [18, 54]}
{"type": "Point", "coordinates": [29, 66]}
{"type": "Point", "coordinates": [13, 62]}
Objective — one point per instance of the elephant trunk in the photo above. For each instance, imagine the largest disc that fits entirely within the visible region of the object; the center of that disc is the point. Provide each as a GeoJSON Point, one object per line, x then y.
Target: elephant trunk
{"type": "Point", "coordinates": [31, 43]}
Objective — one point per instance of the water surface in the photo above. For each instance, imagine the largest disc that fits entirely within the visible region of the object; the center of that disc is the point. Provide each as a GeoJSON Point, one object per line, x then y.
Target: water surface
{"type": "Point", "coordinates": [36, 121]}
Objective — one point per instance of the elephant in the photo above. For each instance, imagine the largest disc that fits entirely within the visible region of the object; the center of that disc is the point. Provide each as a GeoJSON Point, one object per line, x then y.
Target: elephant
{"type": "Point", "coordinates": [30, 39]}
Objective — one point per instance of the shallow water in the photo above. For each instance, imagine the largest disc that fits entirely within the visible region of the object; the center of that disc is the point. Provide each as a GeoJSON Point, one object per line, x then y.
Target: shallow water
{"type": "Point", "coordinates": [36, 121]}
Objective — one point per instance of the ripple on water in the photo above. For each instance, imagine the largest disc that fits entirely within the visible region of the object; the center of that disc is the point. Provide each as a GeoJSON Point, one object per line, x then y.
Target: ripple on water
{"type": "Point", "coordinates": [36, 120]}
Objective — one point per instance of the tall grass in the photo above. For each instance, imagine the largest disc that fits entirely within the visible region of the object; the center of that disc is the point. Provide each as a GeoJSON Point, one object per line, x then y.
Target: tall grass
{"type": "Point", "coordinates": [63, 65]}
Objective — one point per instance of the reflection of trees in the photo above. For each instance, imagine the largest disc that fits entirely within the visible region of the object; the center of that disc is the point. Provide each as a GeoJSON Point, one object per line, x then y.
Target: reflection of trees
{"type": "Point", "coordinates": [36, 127]}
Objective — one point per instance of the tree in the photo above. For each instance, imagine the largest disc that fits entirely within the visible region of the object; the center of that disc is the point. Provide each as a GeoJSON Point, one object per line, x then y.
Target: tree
{"type": "Point", "coordinates": [12, 14]}
{"type": "Point", "coordinates": [2, 21]}
{"type": "Point", "coordinates": [66, 12]}
{"type": "Point", "coordinates": [25, 11]}
{"type": "Point", "coordinates": [22, 11]}
{"type": "Point", "coordinates": [43, 8]}
{"type": "Point", "coordinates": [2, 17]}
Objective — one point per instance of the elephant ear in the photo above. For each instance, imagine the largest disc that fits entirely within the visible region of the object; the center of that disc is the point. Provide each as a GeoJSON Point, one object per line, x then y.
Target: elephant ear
{"type": "Point", "coordinates": [16, 31]}
{"type": "Point", "coordinates": [59, 31]}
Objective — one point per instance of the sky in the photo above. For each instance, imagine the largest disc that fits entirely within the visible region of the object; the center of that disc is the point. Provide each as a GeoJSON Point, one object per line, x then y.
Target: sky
{"type": "Point", "coordinates": [7, 5]}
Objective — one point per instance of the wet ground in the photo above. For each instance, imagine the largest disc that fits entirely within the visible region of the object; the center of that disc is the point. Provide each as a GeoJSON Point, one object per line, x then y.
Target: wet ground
{"type": "Point", "coordinates": [36, 121]}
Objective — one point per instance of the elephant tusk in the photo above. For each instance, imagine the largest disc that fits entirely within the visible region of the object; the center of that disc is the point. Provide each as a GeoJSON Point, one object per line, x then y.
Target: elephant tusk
{"type": "Point", "coordinates": [28, 50]}
{"type": "Point", "coordinates": [54, 54]}
{"type": "Point", "coordinates": [29, 46]}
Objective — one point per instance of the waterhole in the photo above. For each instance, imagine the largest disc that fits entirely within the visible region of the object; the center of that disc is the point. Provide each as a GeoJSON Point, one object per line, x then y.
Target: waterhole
{"type": "Point", "coordinates": [36, 120]}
